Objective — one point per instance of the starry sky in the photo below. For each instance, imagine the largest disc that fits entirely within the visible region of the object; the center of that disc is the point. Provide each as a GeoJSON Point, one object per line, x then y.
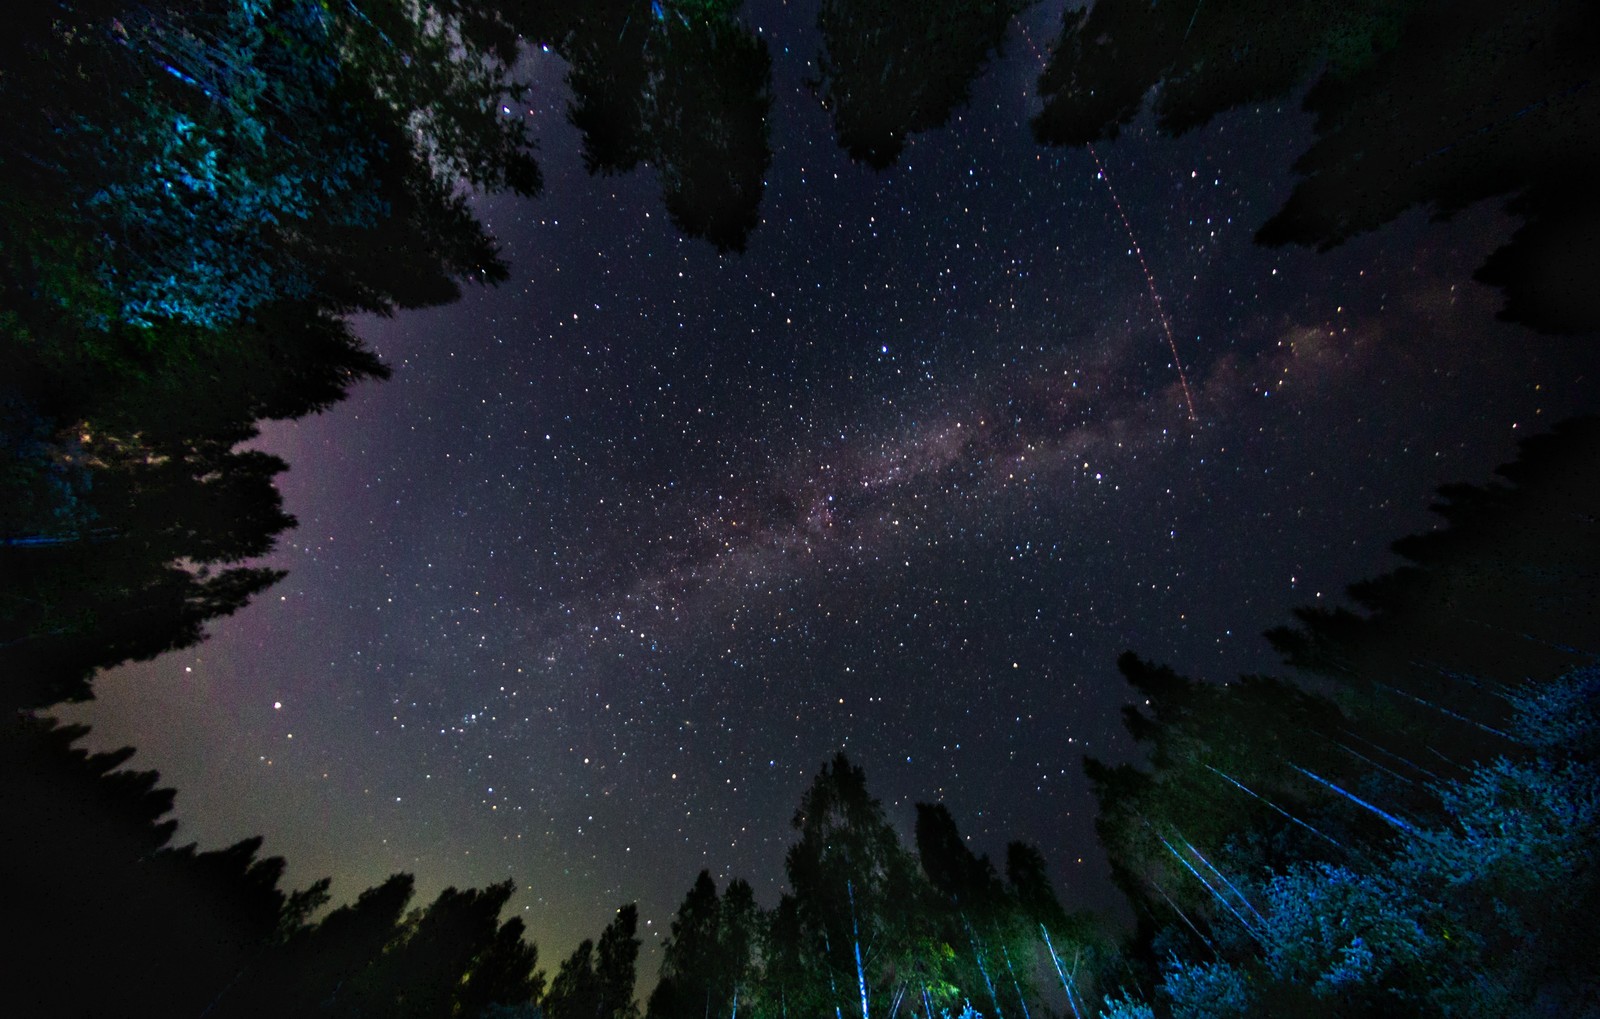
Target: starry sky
{"type": "Point", "coordinates": [631, 544]}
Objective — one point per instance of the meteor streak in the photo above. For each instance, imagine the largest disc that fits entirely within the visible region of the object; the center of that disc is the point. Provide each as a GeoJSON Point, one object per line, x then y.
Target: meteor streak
{"type": "Point", "coordinates": [1138, 253]}
{"type": "Point", "coordinates": [1149, 282]}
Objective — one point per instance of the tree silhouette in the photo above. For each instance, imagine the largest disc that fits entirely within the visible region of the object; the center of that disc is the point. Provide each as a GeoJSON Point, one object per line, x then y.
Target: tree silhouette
{"type": "Point", "coordinates": [318, 965]}
{"type": "Point", "coordinates": [616, 959]}
{"type": "Point", "coordinates": [144, 576]}
{"type": "Point", "coordinates": [951, 868]}
{"type": "Point", "coordinates": [889, 70]}
{"type": "Point", "coordinates": [597, 982]}
{"type": "Point", "coordinates": [1480, 910]}
{"type": "Point", "coordinates": [445, 958]}
{"type": "Point", "coordinates": [1509, 588]}
{"type": "Point", "coordinates": [708, 961]}
{"type": "Point", "coordinates": [1418, 104]}
{"type": "Point", "coordinates": [1199, 61]}
{"type": "Point", "coordinates": [503, 974]}
{"type": "Point", "coordinates": [575, 991]}
{"type": "Point", "coordinates": [1025, 871]}
{"type": "Point", "coordinates": [995, 938]}
{"type": "Point", "coordinates": [1225, 781]}
{"type": "Point", "coordinates": [740, 939]}
{"type": "Point", "coordinates": [93, 883]}
{"type": "Point", "coordinates": [852, 882]}
{"type": "Point", "coordinates": [683, 87]}
{"type": "Point", "coordinates": [691, 958]}
{"type": "Point", "coordinates": [1422, 840]}
{"type": "Point", "coordinates": [193, 196]}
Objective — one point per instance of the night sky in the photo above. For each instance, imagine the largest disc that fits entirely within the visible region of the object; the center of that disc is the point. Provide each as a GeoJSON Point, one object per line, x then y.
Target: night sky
{"type": "Point", "coordinates": [630, 545]}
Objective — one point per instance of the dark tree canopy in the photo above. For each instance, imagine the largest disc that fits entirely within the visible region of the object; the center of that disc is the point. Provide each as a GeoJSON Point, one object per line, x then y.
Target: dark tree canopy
{"type": "Point", "coordinates": [596, 982]}
{"type": "Point", "coordinates": [185, 931]}
{"type": "Point", "coordinates": [864, 927]}
{"type": "Point", "coordinates": [118, 922]}
{"type": "Point", "coordinates": [1507, 589]}
{"type": "Point", "coordinates": [709, 961]}
{"type": "Point", "coordinates": [682, 86]}
{"type": "Point", "coordinates": [970, 881]}
{"type": "Point", "coordinates": [93, 883]}
{"type": "Point", "coordinates": [890, 70]}
{"type": "Point", "coordinates": [157, 559]}
{"type": "Point", "coordinates": [1425, 103]}
{"type": "Point", "coordinates": [1391, 835]}
{"type": "Point", "coordinates": [853, 882]}
{"type": "Point", "coordinates": [194, 194]}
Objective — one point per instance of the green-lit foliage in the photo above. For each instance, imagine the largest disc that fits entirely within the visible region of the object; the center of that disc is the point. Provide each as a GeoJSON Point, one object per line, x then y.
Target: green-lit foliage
{"type": "Point", "coordinates": [860, 899]}
{"type": "Point", "coordinates": [1485, 911]}
{"type": "Point", "coordinates": [865, 929]}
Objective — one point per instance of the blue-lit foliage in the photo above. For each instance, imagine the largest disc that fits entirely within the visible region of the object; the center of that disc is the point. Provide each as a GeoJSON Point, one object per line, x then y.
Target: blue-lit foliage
{"type": "Point", "coordinates": [1518, 827]}
{"type": "Point", "coordinates": [1335, 930]}
{"type": "Point", "coordinates": [1126, 1006]}
{"type": "Point", "coordinates": [194, 197]}
{"type": "Point", "coordinates": [1562, 721]}
{"type": "Point", "coordinates": [1482, 911]}
{"type": "Point", "coordinates": [235, 150]}
{"type": "Point", "coordinates": [202, 180]}
{"type": "Point", "coordinates": [1213, 990]}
